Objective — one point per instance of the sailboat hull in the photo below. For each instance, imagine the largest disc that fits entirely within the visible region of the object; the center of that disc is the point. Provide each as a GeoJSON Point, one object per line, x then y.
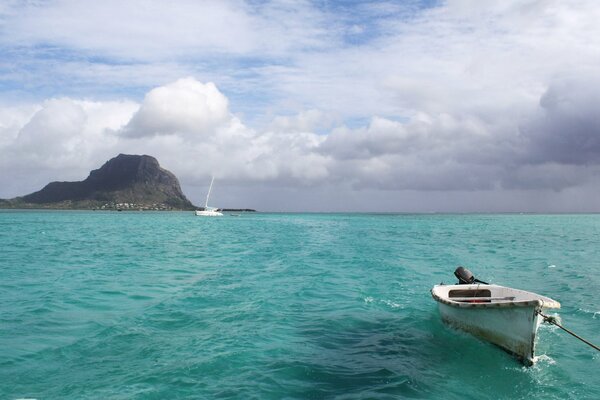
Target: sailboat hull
{"type": "Point", "coordinates": [209, 213]}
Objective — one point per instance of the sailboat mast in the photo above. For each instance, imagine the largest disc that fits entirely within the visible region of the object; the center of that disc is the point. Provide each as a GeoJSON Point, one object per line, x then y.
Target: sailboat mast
{"type": "Point", "coordinates": [208, 195]}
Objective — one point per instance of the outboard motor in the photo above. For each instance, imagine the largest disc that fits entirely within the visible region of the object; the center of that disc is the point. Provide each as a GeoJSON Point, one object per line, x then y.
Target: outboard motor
{"type": "Point", "coordinates": [465, 277]}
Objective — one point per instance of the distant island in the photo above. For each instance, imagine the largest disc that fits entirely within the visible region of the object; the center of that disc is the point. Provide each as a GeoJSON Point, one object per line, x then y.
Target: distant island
{"type": "Point", "coordinates": [125, 182]}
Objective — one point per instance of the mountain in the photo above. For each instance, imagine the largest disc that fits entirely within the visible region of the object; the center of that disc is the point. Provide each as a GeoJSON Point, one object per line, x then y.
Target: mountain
{"type": "Point", "coordinates": [123, 182]}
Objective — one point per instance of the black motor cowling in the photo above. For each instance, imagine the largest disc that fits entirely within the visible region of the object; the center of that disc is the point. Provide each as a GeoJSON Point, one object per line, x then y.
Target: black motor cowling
{"type": "Point", "coordinates": [465, 277]}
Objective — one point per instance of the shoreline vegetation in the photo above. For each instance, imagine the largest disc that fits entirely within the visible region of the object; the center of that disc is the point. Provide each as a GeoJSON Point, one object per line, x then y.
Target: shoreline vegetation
{"type": "Point", "coordinates": [14, 204]}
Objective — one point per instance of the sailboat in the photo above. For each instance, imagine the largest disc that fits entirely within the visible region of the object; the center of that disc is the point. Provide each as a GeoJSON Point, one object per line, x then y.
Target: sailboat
{"type": "Point", "coordinates": [209, 211]}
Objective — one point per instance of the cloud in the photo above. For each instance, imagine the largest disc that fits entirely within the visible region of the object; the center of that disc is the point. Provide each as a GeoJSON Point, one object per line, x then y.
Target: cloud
{"type": "Point", "coordinates": [567, 127]}
{"type": "Point", "coordinates": [185, 107]}
{"type": "Point", "coordinates": [150, 30]}
{"type": "Point", "coordinates": [54, 129]}
{"type": "Point", "coordinates": [59, 139]}
{"type": "Point", "coordinates": [12, 119]}
{"type": "Point", "coordinates": [282, 58]}
{"type": "Point", "coordinates": [305, 121]}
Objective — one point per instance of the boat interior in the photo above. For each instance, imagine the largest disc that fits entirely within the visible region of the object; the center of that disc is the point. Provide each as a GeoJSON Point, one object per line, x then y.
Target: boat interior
{"type": "Point", "coordinates": [472, 296]}
{"type": "Point", "coordinates": [478, 293]}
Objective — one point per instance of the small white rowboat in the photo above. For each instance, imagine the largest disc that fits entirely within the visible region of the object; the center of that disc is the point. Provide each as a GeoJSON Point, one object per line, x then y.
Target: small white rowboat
{"type": "Point", "coordinates": [501, 315]}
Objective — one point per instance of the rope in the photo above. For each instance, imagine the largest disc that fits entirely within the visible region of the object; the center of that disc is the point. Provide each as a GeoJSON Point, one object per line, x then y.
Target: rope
{"type": "Point", "coordinates": [552, 320]}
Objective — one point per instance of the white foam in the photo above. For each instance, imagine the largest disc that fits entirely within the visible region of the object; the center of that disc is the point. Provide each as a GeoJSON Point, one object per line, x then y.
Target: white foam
{"type": "Point", "coordinates": [544, 359]}
{"type": "Point", "coordinates": [594, 313]}
{"type": "Point", "coordinates": [391, 304]}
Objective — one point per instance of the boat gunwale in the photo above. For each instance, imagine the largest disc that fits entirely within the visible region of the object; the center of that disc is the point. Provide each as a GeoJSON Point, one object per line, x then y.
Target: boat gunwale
{"type": "Point", "coordinates": [540, 302]}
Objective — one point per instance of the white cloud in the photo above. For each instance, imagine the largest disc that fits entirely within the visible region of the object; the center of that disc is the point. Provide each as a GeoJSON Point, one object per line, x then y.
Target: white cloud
{"type": "Point", "coordinates": [61, 140]}
{"type": "Point", "coordinates": [154, 30]}
{"type": "Point", "coordinates": [306, 121]}
{"type": "Point", "coordinates": [185, 107]}
{"type": "Point", "coordinates": [12, 119]}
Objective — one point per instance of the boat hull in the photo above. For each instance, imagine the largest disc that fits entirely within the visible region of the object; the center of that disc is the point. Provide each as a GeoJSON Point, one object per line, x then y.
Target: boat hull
{"type": "Point", "coordinates": [209, 213]}
{"type": "Point", "coordinates": [512, 328]}
{"type": "Point", "coordinates": [506, 317]}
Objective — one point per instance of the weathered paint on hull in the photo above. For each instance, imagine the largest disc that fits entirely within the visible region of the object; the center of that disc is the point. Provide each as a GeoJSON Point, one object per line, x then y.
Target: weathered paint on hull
{"type": "Point", "coordinates": [512, 328]}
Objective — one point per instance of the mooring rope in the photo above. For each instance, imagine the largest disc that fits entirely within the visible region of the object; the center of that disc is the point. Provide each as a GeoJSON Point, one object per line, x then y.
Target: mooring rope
{"type": "Point", "coordinates": [552, 320]}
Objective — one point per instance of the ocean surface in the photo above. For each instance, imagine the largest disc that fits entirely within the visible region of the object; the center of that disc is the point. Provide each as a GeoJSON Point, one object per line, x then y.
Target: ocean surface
{"type": "Point", "coordinates": [166, 305]}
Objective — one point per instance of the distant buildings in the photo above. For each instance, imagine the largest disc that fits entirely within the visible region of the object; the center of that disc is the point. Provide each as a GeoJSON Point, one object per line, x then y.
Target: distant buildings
{"type": "Point", "coordinates": [136, 206]}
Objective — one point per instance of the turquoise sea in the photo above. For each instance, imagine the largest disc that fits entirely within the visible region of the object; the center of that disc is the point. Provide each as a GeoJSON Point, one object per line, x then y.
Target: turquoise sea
{"type": "Point", "coordinates": [161, 305]}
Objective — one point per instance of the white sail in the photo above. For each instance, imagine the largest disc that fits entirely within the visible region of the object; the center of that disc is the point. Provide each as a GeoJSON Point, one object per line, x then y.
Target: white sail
{"type": "Point", "coordinates": [209, 189]}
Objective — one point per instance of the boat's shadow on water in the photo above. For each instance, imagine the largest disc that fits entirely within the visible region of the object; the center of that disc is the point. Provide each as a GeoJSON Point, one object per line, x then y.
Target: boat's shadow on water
{"type": "Point", "coordinates": [406, 356]}
{"type": "Point", "coordinates": [366, 355]}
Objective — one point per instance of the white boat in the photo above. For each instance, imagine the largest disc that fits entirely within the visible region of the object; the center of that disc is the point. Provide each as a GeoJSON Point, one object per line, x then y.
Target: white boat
{"type": "Point", "coordinates": [506, 317]}
{"type": "Point", "coordinates": [209, 211]}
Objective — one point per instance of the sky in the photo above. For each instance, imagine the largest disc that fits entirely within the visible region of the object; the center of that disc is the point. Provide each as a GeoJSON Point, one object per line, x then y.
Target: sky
{"type": "Point", "coordinates": [323, 105]}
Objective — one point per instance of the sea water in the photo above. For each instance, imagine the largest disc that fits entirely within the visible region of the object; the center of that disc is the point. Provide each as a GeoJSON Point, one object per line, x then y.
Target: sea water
{"type": "Point", "coordinates": [167, 305]}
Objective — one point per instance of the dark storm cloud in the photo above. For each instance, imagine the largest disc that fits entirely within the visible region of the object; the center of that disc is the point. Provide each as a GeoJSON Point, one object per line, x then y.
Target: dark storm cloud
{"type": "Point", "coordinates": [559, 145]}
{"type": "Point", "coordinates": [568, 129]}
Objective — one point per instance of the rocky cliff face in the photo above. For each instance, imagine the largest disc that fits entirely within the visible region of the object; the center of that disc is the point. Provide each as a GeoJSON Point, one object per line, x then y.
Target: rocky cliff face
{"type": "Point", "coordinates": [137, 181]}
